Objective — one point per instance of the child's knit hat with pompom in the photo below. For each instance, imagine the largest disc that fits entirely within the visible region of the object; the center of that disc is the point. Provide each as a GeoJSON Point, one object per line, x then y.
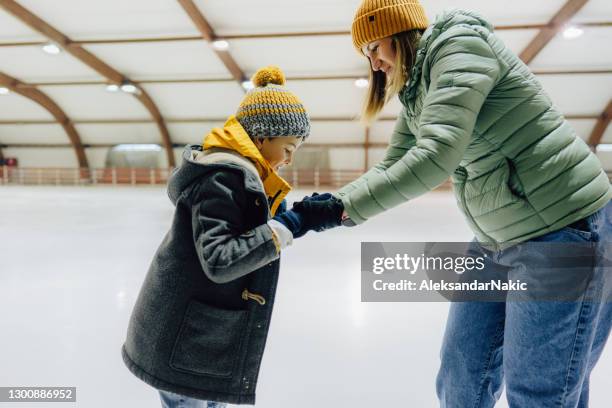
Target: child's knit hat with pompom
{"type": "Point", "coordinates": [270, 110]}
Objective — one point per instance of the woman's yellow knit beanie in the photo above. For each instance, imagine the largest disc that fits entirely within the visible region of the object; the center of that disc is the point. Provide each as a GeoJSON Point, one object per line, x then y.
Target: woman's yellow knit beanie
{"type": "Point", "coordinates": [376, 19]}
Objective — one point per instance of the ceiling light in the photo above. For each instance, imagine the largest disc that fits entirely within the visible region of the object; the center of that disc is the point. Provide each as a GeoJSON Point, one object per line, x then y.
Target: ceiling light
{"type": "Point", "coordinates": [572, 32]}
{"type": "Point", "coordinates": [51, 48]}
{"type": "Point", "coordinates": [248, 85]}
{"type": "Point", "coordinates": [137, 147]}
{"type": "Point", "coordinates": [220, 45]}
{"type": "Point", "coordinates": [4, 91]}
{"type": "Point", "coordinates": [112, 87]}
{"type": "Point", "coordinates": [362, 83]}
{"type": "Point", "coordinates": [129, 88]}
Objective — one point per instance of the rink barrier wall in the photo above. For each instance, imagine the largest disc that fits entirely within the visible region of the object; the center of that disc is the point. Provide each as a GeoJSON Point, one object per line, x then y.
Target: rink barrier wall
{"type": "Point", "coordinates": [152, 176]}
{"type": "Point", "coordinates": [159, 176]}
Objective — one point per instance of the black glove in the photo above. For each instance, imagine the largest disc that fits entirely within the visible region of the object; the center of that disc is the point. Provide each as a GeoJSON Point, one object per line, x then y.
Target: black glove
{"type": "Point", "coordinates": [317, 197]}
{"type": "Point", "coordinates": [293, 220]}
{"type": "Point", "coordinates": [319, 214]}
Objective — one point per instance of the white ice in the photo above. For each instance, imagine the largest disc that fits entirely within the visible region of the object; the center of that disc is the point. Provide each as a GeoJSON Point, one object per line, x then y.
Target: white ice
{"type": "Point", "coordinates": [72, 261]}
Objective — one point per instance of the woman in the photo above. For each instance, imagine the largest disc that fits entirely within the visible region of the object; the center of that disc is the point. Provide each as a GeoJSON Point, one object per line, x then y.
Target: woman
{"type": "Point", "coordinates": [473, 111]}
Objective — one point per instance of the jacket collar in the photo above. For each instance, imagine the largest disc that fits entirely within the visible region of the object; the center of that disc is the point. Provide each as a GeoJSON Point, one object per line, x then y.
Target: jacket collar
{"type": "Point", "coordinates": [233, 137]}
{"type": "Point", "coordinates": [442, 23]}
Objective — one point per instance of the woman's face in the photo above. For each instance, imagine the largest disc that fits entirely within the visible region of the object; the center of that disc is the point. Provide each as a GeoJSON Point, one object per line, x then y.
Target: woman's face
{"type": "Point", "coordinates": [278, 151]}
{"type": "Point", "coordinates": [381, 55]}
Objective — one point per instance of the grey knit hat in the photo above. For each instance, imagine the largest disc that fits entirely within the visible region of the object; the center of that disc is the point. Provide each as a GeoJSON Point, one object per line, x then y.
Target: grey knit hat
{"type": "Point", "coordinates": [270, 110]}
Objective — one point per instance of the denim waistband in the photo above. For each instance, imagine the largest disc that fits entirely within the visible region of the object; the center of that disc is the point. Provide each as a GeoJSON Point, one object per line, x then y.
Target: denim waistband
{"type": "Point", "coordinates": [593, 221]}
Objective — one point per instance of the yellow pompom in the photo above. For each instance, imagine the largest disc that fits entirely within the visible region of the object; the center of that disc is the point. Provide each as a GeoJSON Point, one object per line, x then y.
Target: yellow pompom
{"type": "Point", "coordinates": [268, 75]}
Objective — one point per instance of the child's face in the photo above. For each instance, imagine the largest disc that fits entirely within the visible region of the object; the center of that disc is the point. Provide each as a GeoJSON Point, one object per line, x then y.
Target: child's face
{"type": "Point", "coordinates": [278, 151]}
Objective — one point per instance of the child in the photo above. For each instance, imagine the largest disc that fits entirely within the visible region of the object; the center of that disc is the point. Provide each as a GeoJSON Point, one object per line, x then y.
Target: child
{"type": "Point", "coordinates": [199, 326]}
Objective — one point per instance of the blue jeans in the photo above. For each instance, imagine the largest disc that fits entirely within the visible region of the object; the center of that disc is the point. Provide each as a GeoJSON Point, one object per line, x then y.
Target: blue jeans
{"type": "Point", "coordinates": [543, 351]}
{"type": "Point", "coordinates": [172, 400]}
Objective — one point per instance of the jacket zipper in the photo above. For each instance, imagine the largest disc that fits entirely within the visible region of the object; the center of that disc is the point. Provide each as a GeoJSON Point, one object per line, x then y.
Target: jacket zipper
{"type": "Point", "coordinates": [465, 208]}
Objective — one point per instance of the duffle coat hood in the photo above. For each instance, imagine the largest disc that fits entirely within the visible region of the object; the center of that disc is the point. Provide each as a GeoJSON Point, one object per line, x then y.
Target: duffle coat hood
{"type": "Point", "coordinates": [200, 322]}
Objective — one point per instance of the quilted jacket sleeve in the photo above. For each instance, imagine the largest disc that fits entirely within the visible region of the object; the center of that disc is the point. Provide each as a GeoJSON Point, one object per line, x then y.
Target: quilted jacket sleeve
{"type": "Point", "coordinates": [401, 141]}
{"type": "Point", "coordinates": [227, 252]}
{"type": "Point", "coordinates": [462, 70]}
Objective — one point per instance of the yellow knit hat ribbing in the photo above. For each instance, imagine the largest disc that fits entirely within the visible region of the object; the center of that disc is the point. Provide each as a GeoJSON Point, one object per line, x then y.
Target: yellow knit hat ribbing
{"type": "Point", "coordinates": [376, 19]}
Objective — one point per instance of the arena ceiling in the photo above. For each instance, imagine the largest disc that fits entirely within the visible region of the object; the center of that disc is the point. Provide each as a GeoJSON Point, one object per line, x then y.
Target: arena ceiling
{"type": "Point", "coordinates": [90, 73]}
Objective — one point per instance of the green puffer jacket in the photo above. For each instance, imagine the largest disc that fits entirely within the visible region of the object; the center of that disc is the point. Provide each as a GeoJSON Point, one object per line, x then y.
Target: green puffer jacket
{"type": "Point", "coordinates": [473, 111]}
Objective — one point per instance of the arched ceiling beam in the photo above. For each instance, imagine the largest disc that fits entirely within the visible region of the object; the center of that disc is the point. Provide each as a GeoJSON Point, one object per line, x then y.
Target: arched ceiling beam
{"type": "Point", "coordinates": [547, 33]}
{"type": "Point", "coordinates": [264, 35]}
{"type": "Point", "coordinates": [53, 108]}
{"type": "Point", "coordinates": [544, 37]}
{"type": "Point", "coordinates": [209, 35]}
{"type": "Point", "coordinates": [603, 121]}
{"type": "Point", "coordinates": [76, 50]}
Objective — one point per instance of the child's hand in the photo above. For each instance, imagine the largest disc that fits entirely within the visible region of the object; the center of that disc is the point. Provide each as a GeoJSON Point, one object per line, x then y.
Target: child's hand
{"type": "Point", "coordinates": [319, 213]}
{"type": "Point", "coordinates": [292, 221]}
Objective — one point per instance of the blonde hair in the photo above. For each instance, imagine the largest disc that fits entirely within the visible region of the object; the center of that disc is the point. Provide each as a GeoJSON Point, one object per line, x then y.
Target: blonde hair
{"type": "Point", "coordinates": [380, 91]}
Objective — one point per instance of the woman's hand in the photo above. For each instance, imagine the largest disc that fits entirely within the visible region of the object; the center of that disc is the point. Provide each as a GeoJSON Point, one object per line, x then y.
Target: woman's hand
{"type": "Point", "coordinates": [319, 212]}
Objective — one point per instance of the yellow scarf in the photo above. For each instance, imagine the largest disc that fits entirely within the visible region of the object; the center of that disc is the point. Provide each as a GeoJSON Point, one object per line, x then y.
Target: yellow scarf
{"type": "Point", "coordinates": [233, 136]}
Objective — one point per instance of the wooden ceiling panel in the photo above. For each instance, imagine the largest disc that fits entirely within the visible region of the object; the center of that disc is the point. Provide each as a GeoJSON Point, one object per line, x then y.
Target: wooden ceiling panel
{"type": "Point", "coordinates": [197, 100]}
{"type": "Point", "coordinates": [555, 24]}
{"type": "Point", "coordinates": [125, 19]}
{"type": "Point", "coordinates": [506, 13]}
{"type": "Point", "coordinates": [583, 127]}
{"type": "Point", "coordinates": [42, 134]}
{"type": "Point", "coordinates": [11, 29]}
{"type": "Point", "coordinates": [32, 64]}
{"type": "Point", "coordinates": [591, 50]}
{"type": "Point", "coordinates": [162, 60]}
{"type": "Point", "coordinates": [16, 107]}
{"type": "Point", "coordinates": [516, 40]}
{"type": "Point", "coordinates": [118, 133]}
{"type": "Point", "coordinates": [316, 55]}
{"type": "Point", "coordinates": [95, 102]}
{"type": "Point", "coordinates": [585, 96]}
{"type": "Point", "coordinates": [593, 11]}
{"type": "Point", "coordinates": [329, 98]}
{"type": "Point", "coordinates": [286, 16]}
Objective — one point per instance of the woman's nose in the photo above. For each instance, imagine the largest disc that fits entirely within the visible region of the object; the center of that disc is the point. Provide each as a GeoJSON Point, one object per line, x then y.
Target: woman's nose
{"type": "Point", "coordinates": [375, 64]}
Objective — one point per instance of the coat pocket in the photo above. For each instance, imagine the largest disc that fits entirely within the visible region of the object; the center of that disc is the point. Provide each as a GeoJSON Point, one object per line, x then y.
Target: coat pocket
{"type": "Point", "coordinates": [209, 340]}
{"type": "Point", "coordinates": [513, 182]}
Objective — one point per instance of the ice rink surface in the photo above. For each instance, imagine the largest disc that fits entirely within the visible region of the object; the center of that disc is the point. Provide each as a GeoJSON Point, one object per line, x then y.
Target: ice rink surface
{"type": "Point", "coordinates": [72, 260]}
